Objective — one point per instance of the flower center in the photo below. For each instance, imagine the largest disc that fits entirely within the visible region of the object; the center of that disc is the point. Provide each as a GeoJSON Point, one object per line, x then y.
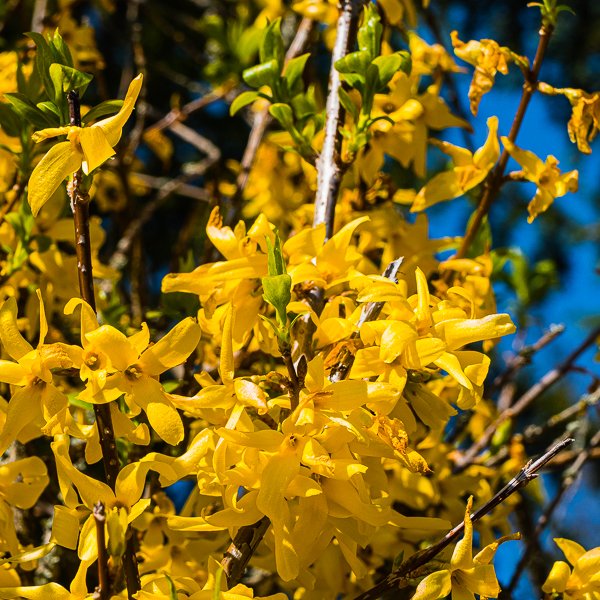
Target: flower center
{"type": "Point", "coordinates": [133, 372]}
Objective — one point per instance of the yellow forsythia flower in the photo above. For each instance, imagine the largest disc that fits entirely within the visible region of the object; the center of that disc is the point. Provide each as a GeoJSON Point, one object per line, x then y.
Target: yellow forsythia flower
{"type": "Point", "coordinates": [87, 148]}
{"type": "Point", "coordinates": [547, 176]}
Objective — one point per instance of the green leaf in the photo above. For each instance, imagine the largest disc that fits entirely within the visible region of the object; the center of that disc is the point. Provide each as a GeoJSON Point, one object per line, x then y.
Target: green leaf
{"type": "Point", "coordinates": [264, 74]}
{"type": "Point", "coordinates": [293, 75]}
{"type": "Point", "coordinates": [355, 81]}
{"type": "Point", "coordinates": [271, 45]}
{"type": "Point", "coordinates": [371, 83]}
{"type": "Point", "coordinates": [283, 113]}
{"type": "Point", "coordinates": [43, 242]}
{"type": "Point", "coordinates": [278, 293]}
{"type": "Point", "coordinates": [51, 111]}
{"type": "Point", "coordinates": [398, 561]}
{"type": "Point", "coordinates": [242, 100]}
{"type": "Point", "coordinates": [105, 108]}
{"type": "Point", "coordinates": [66, 79]}
{"type": "Point", "coordinates": [347, 103]}
{"type": "Point", "coordinates": [43, 60]}
{"type": "Point", "coordinates": [10, 120]}
{"type": "Point", "coordinates": [217, 590]}
{"type": "Point", "coordinates": [355, 62]}
{"type": "Point", "coordinates": [60, 50]}
{"type": "Point", "coordinates": [387, 67]}
{"type": "Point", "coordinates": [369, 35]}
{"type": "Point", "coordinates": [173, 590]}
{"type": "Point", "coordinates": [32, 113]}
{"type": "Point", "coordinates": [275, 259]}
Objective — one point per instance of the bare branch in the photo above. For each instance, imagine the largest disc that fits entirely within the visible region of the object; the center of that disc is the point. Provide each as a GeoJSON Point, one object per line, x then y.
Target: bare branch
{"type": "Point", "coordinates": [545, 383]}
{"type": "Point", "coordinates": [330, 167]}
{"type": "Point", "coordinates": [568, 480]}
{"type": "Point", "coordinates": [369, 312]}
{"type": "Point", "coordinates": [526, 474]}
{"type": "Point", "coordinates": [103, 590]}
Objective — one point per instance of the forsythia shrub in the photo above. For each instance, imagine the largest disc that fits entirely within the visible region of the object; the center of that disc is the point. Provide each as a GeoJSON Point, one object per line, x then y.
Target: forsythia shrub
{"type": "Point", "coordinates": [319, 377]}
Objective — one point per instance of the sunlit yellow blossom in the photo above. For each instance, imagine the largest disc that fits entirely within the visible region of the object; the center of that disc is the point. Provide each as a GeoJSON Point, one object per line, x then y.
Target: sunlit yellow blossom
{"type": "Point", "coordinates": [469, 170]}
{"type": "Point", "coordinates": [585, 117]}
{"type": "Point", "coordinates": [466, 575]}
{"type": "Point", "coordinates": [488, 58]}
{"type": "Point", "coordinates": [551, 183]}
{"type": "Point", "coordinates": [138, 366]}
{"type": "Point", "coordinates": [422, 333]}
{"type": "Point", "coordinates": [32, 372]}
{"type": "Point", "coordinates": [583, 581]}
{"type": "Point", "coordinates": [414, 115]}
{"type": "Point", "coordinates": [86, 148]}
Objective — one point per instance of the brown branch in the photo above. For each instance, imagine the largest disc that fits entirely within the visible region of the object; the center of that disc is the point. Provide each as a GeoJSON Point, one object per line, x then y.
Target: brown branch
{"type": "Point", "coordinates": [81, 214]}
{"type": "Point", "coordinates": [190, 107]}
{"type": "Point", "coordinates": [103, 591]}
{"type": "Point", "coordinates": [525, 475]}
{"type": "Point", "coordinates": [545, 383]}
{"type": "Point", "coordinates": [242, 548]}
{"type": "Point", "coordinates": [568, 480]}
{"type": "Point", "coordinates": [494, 181]}
{"type": "Point", "coordinates": [369, 312]}
{"type": "Point", "coordinates": [524, 357]}
{"type": "Point", "coordinates": [329, 166]}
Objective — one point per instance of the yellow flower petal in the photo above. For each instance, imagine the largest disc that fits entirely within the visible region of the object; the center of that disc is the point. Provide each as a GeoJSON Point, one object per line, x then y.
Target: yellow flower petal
{"type": "Point", "coordinates": [12, 340]}
{"type": "Point", "coordinates": [532, 165]}
{"type": "Point", "coordinates": [434, 586]}
{"type": "Point", "coordinates": [113, 126]}
{"type": "Point", "coordinates": [132, 479]}
{"type": "Point", "coordinates": [96, 149]}
{"type": "Point", "coordinates": [462, 557]}
{"type": "Point", "coordinates": [50, 591]}
{"type": "Point", "coordinates": [65, 527]}
{"type": "Point", "coordinates": [115, 345]}
{"type": "Point", "coordinates": [23, 481]}
{"type": "Point", "coordinates": [162, 415]}
{"type": "Point", "coordinates": [172, 349]}
{"type": "Point", "coordinates": [459, 333]}
{"type": "Point", "coordinates": [395, 339]}
{"type": "Point", "coordinates": [60, 161]}
{"type": "Point", "coordinates": [23, 408]}
{"type": "Point", "coordinates": [13, 373]}
{"type": "Point", "coordinates": [558, 578]}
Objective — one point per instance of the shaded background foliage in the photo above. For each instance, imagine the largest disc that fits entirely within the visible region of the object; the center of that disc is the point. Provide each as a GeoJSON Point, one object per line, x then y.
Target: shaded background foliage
{"type": "Point", "coordinates": [187, 46]}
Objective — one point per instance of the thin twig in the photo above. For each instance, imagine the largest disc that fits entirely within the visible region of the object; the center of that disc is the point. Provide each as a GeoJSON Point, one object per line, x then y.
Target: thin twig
{"type": "Point", "coordinates": [568, 480]}
{"type": "Point", "coordinates": [329, 166]}
{"type": "Point", "coordinates": [545, 383]}
{"type": "Point", "coordinates": [103, 590]}
{"type": "Point", "coordinates": [525, 475]}
{"type": "Point", "coordinates": [81, 213]}
{"type": "Point", "coordinates": [191, 107]}
{"type": "Point", "coordinates": [242, 548]}
{"type": "Point", "coordinates": [494, 181]}
{"type": "Point", "coordinates": [119, 259]}
{"type": "Point", "coordinates": [369, 312]}
{"type": "Point", "coordinates": [524, 356]}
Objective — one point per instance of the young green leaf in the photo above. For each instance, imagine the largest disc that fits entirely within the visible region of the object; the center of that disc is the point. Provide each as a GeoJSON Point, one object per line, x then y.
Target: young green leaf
{"type": "Point", "coordinates": [293, 75]}
{"type": "Point", "coordinates": [264, 74]}
{"type": "Point", "coordinates": [60, 50]}
{"type": "Point", "coordinates": [172, 588]}
{"type": "Point", "coordinates": [347, 103]}
{"type": "Point", "coordinates": [369, 35]}
{"type": "Point", "coordinates": [271, 45]}
{"type": "Point", "coordinates": [43, 60]}
{"type": "Point", "coordinates": [51, 111]}
{"type": "Point", "coordinates": [32, 113]}
{"type": "Point", "coordinates": [355, 62]}
{"type": "Point", "coordinates": [66, 79]}
{"type": "Point", "coordinates": [242, 100]}
{"type": "Point", "coordinates": [9, 120]}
